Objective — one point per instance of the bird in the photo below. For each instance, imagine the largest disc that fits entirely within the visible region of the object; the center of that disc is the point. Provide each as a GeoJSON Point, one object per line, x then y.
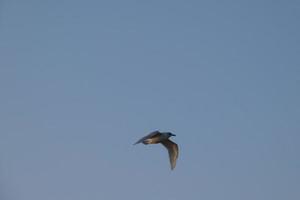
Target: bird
{"type": "Point", "coordinates": [156, 137]}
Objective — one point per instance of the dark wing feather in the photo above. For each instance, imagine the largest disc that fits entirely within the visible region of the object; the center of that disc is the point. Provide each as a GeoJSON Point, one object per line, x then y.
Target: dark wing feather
{"type": "Point", "coordinates": [150, 135]}
{"type": "Point", "coordinates": [173, 151]}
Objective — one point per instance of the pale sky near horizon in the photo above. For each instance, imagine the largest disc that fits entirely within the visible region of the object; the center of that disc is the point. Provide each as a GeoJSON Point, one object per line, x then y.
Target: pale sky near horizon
{"type": "Point", "coordinates": [81, 81]}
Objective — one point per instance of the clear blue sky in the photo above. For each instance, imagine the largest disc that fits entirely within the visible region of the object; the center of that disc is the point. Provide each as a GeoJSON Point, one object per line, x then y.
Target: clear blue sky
{"type": "Point", "coordinates": [81, 81]}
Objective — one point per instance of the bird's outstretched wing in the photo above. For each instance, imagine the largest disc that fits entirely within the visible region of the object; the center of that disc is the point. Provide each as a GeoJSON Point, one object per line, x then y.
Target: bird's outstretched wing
{"type": "Point", "coordinates": [173, 151]}
{"type": "Point", "coordinates": [150, 135]}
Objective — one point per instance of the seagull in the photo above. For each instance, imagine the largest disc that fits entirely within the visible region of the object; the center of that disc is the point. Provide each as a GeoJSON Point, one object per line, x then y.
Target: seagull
{"type": "Point", "coordinates": [156, 137]}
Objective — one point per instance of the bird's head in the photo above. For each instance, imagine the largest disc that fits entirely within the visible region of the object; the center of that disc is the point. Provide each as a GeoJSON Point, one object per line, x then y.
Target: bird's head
{"type": "Point", "coordinates": [170, 134]}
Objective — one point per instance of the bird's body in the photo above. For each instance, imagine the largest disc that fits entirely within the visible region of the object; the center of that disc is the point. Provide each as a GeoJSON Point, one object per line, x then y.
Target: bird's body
{"type": "Point", "coordinates": [163, 138]}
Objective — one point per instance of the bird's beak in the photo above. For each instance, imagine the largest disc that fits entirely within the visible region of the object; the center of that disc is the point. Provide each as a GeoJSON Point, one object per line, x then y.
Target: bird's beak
{"type": "Point", "coordinates": [173, 134]}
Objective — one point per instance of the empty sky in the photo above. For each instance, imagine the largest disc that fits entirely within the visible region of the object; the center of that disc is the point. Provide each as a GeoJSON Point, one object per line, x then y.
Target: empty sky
{"type": "Point", "coordinates": [81, 81]}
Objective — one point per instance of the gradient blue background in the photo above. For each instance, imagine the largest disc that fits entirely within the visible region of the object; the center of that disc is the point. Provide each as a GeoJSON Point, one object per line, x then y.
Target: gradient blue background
{"type": "Point", "coordinates": [81, 81]}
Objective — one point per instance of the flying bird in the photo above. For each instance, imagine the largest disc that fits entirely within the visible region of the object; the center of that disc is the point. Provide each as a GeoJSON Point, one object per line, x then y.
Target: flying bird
{"type": "Point", "coordinates": [156, 137]}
